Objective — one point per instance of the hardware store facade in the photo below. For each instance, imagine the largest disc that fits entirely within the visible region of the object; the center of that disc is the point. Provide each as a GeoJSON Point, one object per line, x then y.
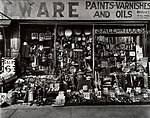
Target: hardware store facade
{"type": "Point", "coordinates": [95, 51]}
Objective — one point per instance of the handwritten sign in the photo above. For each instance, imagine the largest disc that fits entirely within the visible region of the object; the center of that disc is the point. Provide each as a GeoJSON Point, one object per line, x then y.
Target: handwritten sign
{"type": "Point", "coordinates": [8, 65]}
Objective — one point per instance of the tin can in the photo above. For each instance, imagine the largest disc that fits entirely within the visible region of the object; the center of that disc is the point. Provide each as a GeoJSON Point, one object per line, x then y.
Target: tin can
{"type": "Point", "coordinates": [30, 96]}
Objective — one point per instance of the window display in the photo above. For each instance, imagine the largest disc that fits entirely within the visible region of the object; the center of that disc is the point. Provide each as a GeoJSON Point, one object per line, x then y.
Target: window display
{"type": "Point", "coordinates": [86, 65]}
{"type": "Point", "coordinates": [74, 52]}
{"type": "Point", "coordinates": [37, 49]}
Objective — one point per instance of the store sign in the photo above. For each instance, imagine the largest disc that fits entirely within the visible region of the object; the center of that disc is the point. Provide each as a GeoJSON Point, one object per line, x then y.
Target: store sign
{"type": "Point", "coordinates": [119, 30]}
{"type": "Point", "coordinates": [8, 65]}
{"type": "Point", "coordinates": [76, 9]}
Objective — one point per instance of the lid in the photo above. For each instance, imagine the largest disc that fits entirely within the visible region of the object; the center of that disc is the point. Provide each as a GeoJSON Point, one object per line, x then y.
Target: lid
{"type": "Point", "coordinates": [68, 32]}
{"type": "Point", "coordinates": [57, 45]}
{"type": "Point", "coordinates": [77, 31]}
{"type": "Point", "coordinates": [72, 69]}
{"type": "Point", "coordinates": [87, 31]}
{"type": "Point", "coordinates": [60, 31]}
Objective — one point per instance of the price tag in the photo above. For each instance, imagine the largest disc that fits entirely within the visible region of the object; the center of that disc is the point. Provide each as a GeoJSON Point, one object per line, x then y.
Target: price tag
{"type": "Point", "coordinates": [8, 65]}
{"type": "Point", "coordinates": [115, 54]}
{"type": "Point", "coordinates": [128, 90]}
{"type": "Point", "coordinates": [85, 88]}
{"type": "Point", "coordinates": [105, 90]}
{"type": "Point", "coordinates": [51, 86]}
{"type": "Point", "coordinates": [99, 94]}
{"type": "Point", "coordinates": [112, 94]}
{"type": "Point", "coordinates": [145, 95]}
{"type": "Point", "coordinates": [68, 90]}
{"type": "Point", "coordinates": [57, 86]}
{"type": "Point", "coordinates": [86, 95]}
{"type": "Point", "coordinates": [131, 53]}
{"type": "Point", "coordinates": [138, 89]}
{"type": "Point", "coordinates": [132, 95]}
{"type": "Point", "coordinates": [2, 98]}
{"type": "Point", "coordinates": [78, 50]}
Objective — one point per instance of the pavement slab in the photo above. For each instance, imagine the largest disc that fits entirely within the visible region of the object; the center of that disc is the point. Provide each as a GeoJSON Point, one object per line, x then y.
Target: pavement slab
{"type": "Point", "coordinates": [110, 111]}
{"type": "Point", "coordinates": [45, 112]}
{"type": "Point", "coordinates": [7, 113]}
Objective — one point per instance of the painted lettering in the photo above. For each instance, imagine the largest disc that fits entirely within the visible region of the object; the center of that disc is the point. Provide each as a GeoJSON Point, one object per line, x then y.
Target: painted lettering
{"type": "Point", "coordinates": [25, 9]}
{"type": "Point", "coordinates": [58, 10]}
{"type": "Point", "coordinates": [43, 10]}
{"type": "Point", "coordinates": [8, 9]}
{"type": "Point", "coordinates": [93, 6]}
{"type": "Point", "coordinates": [88, 4]}
{"type": "Point", "coordinates": [100, 14]}
{"type": "Point", "coordinates": [124, 14]}
{"type": "Point", "coordinates": [120, 30]}
{"type": "Point", "coordinates": [71, 10]}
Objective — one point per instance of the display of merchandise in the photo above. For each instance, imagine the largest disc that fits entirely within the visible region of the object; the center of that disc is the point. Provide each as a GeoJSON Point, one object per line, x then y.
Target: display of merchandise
{"type": "Point", "coordinates": [73, 65]}
{"type": "Point", "coordinates": [37, 51]}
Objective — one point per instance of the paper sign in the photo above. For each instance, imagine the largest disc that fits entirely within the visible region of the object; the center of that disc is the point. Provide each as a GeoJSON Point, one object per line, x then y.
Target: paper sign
{"type": "Point", "coordinates": [143, 62]}
{"type": "Point", "coordinates": [138, 89]}
{"type": "Point", "coordinates": [3, 97]}
{"type": "Point", "coordinates": [132, 53]}
{"type": "Point", "coordinates": [8, 65]}
{"type": "Point", "coordinates": [99, 94]}
{"type": "Point", "coordinates": [145, 95]}
{"type": "Point", "coordinates": [128, 90]}
{"type": "Point", "coordinates": [86, 95]}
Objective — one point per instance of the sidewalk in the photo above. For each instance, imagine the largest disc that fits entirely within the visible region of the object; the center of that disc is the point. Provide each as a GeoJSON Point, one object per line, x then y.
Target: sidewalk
{"type": "Point", "coordinates": [110, 111]}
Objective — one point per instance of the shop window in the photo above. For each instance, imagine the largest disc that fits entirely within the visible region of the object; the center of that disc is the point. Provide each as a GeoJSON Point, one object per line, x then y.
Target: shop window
{"type": "Point", "coordinates": [118, 53]}
{"type": "Point", "coordinates": [74, 52]}
{"type": "Point", "coordinates": [93, 64]}
{"type": "Point", "coordinates": [37, 49]}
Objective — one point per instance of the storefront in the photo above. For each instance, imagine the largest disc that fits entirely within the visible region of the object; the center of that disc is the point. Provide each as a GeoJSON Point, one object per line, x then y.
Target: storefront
{"type": "Point", "coordinates": [96, 52]}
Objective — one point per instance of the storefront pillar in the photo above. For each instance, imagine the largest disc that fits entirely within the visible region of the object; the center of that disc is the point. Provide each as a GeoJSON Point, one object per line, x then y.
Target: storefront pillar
{"type": "Point", "coordinates": [55, 37]}
{"type": "Point", "coordinates": [148, 53]}
{"type": "Point", "coordinates": [15, 40]}
{"type": "Point", "coordinates": [93, 35]}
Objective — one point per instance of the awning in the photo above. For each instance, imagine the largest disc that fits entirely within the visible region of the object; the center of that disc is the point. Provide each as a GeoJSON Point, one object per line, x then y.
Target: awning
{"type": "Point", "coordinates": [4, 22]}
